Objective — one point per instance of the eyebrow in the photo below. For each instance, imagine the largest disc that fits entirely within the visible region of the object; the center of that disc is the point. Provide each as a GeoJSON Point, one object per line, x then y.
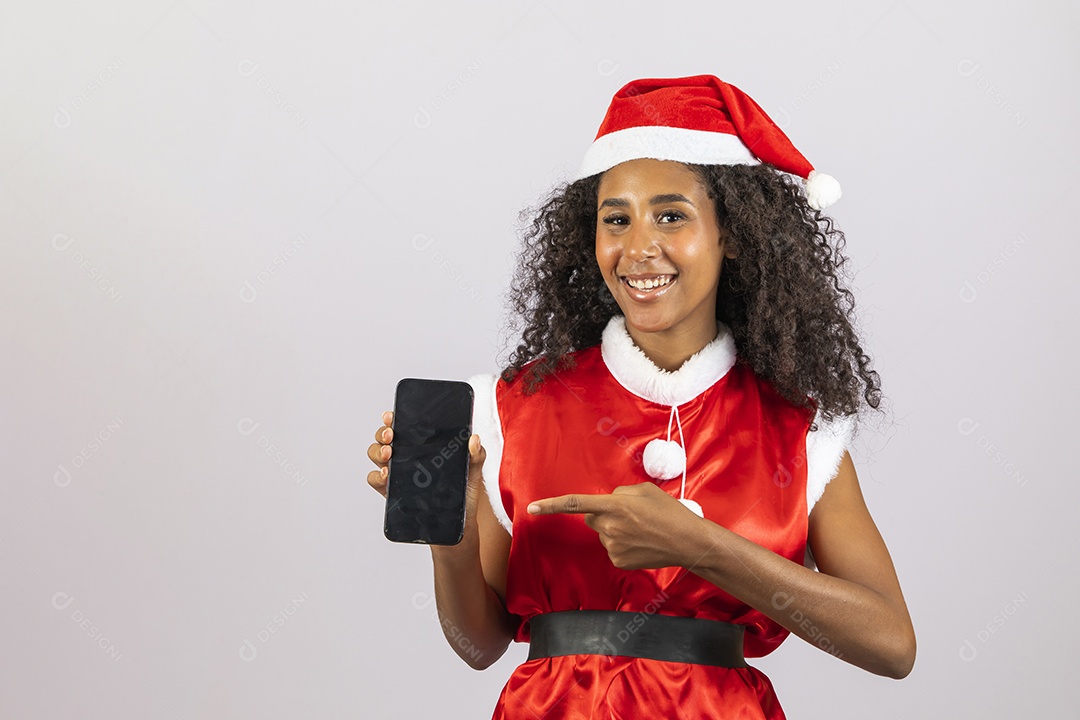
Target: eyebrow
{"type": "Point", "coordinates": [654, 200]}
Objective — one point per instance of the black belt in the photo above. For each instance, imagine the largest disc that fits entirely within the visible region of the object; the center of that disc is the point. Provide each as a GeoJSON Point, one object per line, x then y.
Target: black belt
{"type": "Point", "coordinates": [636, 634]}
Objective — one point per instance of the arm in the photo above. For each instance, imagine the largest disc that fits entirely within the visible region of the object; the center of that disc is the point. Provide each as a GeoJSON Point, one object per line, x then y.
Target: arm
{"type": "Point", "coordinates": [470, 590]}
{"type": "Point", "coordinates": [853, 608]}
{"type": "Point", "coordinates": [470, 577]}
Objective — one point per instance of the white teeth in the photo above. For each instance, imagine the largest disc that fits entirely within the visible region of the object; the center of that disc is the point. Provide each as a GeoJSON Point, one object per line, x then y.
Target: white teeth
{"type": "Point", "coordinates": [650, 283]}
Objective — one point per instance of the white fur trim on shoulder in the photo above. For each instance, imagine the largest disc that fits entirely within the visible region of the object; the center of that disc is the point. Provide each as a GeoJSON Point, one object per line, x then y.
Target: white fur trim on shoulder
{"type": "Point", "coordinates": [486, 424]}
{"type": "Point", "coordinates": [824, 450]}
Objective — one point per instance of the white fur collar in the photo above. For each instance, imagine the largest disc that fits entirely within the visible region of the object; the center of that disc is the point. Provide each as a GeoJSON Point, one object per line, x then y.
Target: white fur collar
{"type": "Point", "coordinates": [641, 376]}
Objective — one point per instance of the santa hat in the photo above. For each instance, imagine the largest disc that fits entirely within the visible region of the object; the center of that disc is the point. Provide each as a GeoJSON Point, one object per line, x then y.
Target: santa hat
{"type": "Point", "coordinates": [702, 120]}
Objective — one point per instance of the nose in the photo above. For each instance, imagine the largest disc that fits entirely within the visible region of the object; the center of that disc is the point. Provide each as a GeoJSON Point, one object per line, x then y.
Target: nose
{"type": "Point", "coordinates": [640, 242]}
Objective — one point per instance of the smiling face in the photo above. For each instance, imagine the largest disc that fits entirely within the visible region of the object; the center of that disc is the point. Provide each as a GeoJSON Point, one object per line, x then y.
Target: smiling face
{"type": "Point", "coordinates": [660, 250]}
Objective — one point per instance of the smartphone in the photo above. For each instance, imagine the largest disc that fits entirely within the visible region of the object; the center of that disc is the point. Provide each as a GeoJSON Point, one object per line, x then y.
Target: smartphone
{"type": "Point", "coordinates": [429, 464]}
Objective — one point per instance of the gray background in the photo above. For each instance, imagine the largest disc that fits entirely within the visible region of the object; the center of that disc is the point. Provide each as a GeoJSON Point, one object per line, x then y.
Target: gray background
{"type": "Point", "coordinates": [227, 233]}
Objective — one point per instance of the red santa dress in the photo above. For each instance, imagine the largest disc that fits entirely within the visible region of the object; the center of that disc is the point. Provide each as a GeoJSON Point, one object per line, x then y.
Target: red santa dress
{"type": "Point", "coordinates": [751, 464]}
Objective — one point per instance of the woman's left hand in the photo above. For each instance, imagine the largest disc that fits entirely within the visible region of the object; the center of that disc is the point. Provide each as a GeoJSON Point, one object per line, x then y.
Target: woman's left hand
{"type": "Point", "coordinates": [640, 526]}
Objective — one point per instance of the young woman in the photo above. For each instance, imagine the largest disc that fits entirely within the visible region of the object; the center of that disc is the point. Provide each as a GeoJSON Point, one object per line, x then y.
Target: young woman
{"type": "Point", "coordinates": [664, 487]}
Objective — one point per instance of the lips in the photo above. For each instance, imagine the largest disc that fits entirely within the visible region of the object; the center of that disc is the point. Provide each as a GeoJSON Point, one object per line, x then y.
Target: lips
{"type": "Point", "coordinates": [648, 287]}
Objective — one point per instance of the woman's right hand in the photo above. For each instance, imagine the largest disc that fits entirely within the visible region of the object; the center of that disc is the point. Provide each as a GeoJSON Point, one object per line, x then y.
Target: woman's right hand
{"type": "Point", "coordinates": [380, 451]}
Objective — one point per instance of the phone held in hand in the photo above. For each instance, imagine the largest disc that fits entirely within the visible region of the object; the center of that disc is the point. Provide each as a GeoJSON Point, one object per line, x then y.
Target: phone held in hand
{"type": "Point", "coordinates": [429, 466]}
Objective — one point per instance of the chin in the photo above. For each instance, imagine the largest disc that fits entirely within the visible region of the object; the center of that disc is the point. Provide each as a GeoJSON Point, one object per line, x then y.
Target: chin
{"type": "Point", "coordinates": [647, 320]}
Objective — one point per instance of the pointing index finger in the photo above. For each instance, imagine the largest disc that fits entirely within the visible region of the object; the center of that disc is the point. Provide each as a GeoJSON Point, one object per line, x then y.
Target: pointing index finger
{"type": "Point", "coordinates": [574, 503]}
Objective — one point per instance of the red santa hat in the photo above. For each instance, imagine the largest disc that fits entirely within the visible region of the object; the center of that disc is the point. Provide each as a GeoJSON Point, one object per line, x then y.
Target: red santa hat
{"type": "Point", "coordinates": [703, 120]}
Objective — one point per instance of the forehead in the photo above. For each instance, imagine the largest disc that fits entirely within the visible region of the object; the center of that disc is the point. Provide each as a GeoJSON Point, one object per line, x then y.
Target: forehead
{"type": "Point", "coordinates": [646, 175]}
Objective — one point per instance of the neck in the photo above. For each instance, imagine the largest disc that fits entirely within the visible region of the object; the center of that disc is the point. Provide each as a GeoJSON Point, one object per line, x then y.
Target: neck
{"type": "Point", "coordinates": [669, 349]}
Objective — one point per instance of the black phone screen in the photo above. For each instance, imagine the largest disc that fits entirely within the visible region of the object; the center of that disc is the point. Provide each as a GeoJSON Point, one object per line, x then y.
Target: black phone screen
{"type": "Point", "coordinates": [429, 464]}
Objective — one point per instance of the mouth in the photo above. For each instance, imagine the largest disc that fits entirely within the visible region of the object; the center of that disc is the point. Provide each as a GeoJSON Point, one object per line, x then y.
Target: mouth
{"type": "Point", "coordinates": [647, 287]}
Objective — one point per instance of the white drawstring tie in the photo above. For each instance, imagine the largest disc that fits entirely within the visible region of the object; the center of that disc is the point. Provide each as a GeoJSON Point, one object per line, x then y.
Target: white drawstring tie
{"type": "Point", "coordinates": [666, 459]}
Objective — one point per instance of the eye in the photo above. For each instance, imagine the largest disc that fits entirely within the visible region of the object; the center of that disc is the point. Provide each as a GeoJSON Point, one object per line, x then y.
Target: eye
{"type": "Point", "coordinates": [615, 219]}
{"type": "Point", "coordinates": [674, 215]}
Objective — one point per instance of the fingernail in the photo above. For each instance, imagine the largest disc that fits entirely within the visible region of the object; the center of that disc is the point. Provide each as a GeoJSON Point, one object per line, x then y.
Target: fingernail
{"type": "Point", "coordinates": [533, 508]}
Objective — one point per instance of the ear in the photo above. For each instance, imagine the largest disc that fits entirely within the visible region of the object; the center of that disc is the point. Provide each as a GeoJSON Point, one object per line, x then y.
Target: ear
{"type": "Point", "coordinates": [727, 246]}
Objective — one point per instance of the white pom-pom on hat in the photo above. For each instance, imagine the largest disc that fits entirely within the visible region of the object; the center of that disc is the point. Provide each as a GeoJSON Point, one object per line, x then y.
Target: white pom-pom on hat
{"type": "Point", "coordinates": [821, 190]}
{"type": "Point", "coordinates": [664, 459]}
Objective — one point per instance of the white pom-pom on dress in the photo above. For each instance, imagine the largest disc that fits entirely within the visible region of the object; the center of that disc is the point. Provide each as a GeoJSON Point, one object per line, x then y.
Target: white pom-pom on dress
{"type": "Point", "coordinates": [664, 459]}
